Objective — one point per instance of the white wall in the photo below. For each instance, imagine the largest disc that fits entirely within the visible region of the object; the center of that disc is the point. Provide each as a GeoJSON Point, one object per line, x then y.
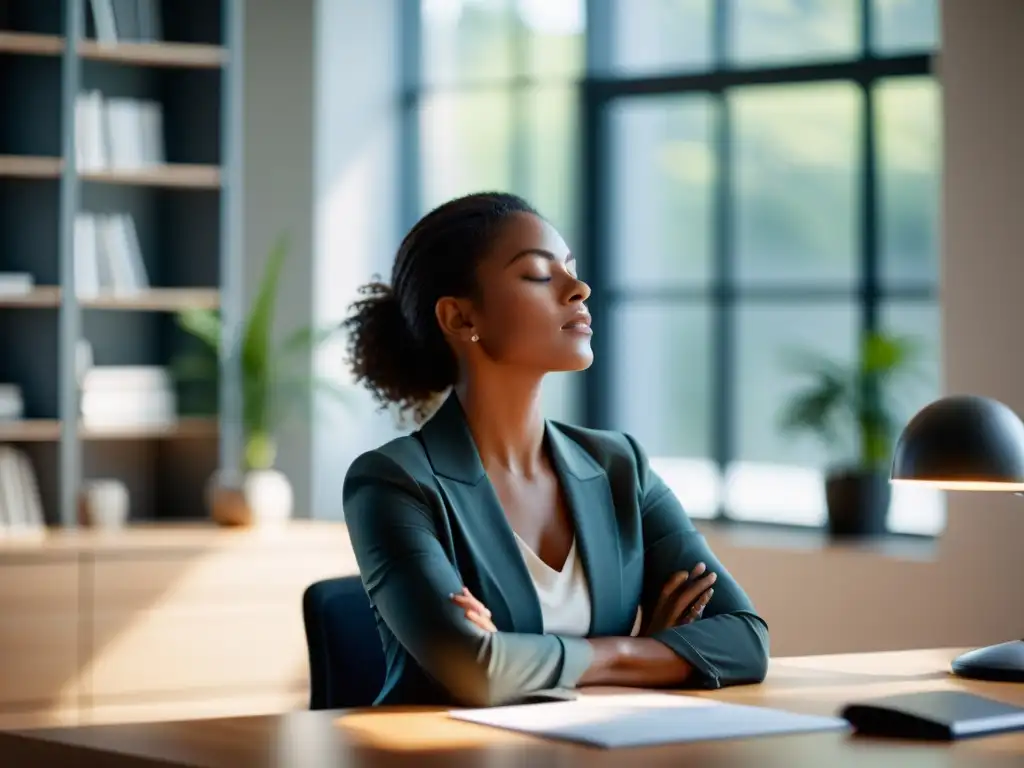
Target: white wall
{"type": "Point", "coordinates": [278, 182]}
{"type": "Point", "coordinates": [356, 228]}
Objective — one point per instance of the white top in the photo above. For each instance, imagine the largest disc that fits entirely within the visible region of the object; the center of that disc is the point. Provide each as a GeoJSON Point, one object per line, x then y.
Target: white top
{"type": "Point", "coordinates": [564, 597]}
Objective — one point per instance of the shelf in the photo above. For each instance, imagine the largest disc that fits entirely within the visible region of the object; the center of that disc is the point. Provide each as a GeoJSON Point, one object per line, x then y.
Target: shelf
{"type": "Point", "coordinates": [162, 54]}
{"type": "Point", "coordinates": [43, 296]}
{"type": "Point", "coordinates": [183, 428]}
{"type": "Point", "coordinates": [48, 430]}
{"type": "Point", "coordinates": [155, 54]}
{"type": "Point", "coordinates": [181, 175]}
{"type": "Point", "coordinates": [153, 300]}
{"type": "Point", "coordinates": [159, 300]}
{"type": "Point", "coordinates": [178, 175]}
{"type": "Point", "coordinates": [30, 431]}
{"type": "Point", "coordinates": [30, 167]}
{"type": "Point", "coordinates": [31, 44]}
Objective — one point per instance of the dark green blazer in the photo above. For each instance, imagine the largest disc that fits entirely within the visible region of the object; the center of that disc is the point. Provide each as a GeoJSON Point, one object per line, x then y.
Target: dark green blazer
{"type": "Point", "coordinates": [425, 521]}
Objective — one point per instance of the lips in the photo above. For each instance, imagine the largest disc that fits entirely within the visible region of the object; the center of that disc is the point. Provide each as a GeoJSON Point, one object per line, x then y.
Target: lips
{"type": "Point", "coordinates": [580, 324]}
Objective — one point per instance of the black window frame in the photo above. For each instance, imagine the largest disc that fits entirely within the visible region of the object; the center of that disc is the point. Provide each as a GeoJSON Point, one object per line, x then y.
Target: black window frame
{"type": "Point", "coordinates": [597, 93]}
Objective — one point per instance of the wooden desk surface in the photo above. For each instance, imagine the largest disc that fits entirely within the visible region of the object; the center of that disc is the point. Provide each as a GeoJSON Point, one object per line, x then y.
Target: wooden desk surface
{"type": "Point", "coordinates": [424, 738]}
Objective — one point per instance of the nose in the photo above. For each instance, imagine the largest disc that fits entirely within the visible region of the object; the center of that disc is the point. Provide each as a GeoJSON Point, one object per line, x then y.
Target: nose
{"type": "Point", "coordinates": [578, 291]}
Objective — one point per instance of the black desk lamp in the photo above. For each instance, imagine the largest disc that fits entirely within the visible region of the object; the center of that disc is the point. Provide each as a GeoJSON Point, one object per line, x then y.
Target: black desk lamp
{"type": "Point", "coordinates": [967, 443]}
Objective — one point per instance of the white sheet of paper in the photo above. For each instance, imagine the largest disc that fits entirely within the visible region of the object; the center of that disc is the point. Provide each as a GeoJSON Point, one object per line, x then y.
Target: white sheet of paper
{"type": "Point", "coordinates": [632, 720]}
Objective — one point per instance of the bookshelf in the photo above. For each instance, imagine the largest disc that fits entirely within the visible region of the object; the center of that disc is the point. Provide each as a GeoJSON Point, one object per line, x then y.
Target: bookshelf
{"type": "Point", "coordinates": [119, 151]}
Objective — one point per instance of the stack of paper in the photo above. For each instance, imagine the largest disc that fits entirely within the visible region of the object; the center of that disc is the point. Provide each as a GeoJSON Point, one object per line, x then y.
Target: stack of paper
{"type": "Point", "coordinates": [634, 720]}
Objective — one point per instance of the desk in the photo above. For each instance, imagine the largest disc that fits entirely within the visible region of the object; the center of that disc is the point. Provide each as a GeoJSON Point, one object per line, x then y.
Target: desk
{"type": "Point", "coordinates": [424, 738]}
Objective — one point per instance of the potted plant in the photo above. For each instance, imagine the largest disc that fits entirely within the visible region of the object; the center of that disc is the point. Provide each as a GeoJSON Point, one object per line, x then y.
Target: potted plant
{"type": "Point", "coordinates": [838, 401]}
{"type": "Point", "coordinates": [271, 391]}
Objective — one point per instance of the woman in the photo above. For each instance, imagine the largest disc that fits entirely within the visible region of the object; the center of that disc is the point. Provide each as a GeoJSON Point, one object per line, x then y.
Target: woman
{"type": "Point", "coordinates": [506, 555]}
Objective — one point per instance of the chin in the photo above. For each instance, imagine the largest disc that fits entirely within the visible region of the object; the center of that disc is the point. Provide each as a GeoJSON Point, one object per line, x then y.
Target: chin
{"type": "Point", "coordinates": [579, 361]}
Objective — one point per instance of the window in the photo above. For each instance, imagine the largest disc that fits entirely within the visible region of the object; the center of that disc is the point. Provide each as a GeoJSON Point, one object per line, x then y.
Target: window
{"type": "Point", "coordinates": [739, 178]}
{"type": "Point", "coordinates": [495, 103]}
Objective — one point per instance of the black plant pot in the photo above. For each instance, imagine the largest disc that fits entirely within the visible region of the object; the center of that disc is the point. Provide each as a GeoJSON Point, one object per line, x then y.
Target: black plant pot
{"type": "Point", "coordinates": [858, 503]}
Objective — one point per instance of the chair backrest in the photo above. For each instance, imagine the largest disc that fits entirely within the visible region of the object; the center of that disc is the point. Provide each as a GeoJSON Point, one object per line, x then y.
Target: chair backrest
{"type": "Point", "coordinates": [346, 660]}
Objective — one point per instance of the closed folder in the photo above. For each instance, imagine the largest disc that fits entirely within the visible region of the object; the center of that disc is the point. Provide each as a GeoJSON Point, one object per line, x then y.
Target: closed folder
{"type": "Point", "coordinates": [933, 715]}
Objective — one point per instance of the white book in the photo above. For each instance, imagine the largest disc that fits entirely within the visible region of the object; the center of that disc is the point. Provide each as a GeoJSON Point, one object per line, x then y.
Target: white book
{"type": "Point", "coordinates": [151, 132]}
{"type": "Point", "coordinates": [126, 377]}
{"type": "Point", "coordinates": [10, 489]}
{"type": "Point", "coordinates": [103, 18]}
{"type": "Point", "coordinates": [117, 256]}
{"type": "Point", "coordinates": [87, 278]}
{"type": "Point", "coordinates": [140, 278]}
{"type": "Point", "coordinates": [30, 492]}
{"type": "Point", "coordinates": [15, 283]}
{"type": "Point", "coordinates": [97, 135]}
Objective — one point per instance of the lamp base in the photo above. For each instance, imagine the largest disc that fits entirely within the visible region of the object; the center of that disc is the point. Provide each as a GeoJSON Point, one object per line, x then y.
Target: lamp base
{"type": "Point", "coordinates": [1002, 663]}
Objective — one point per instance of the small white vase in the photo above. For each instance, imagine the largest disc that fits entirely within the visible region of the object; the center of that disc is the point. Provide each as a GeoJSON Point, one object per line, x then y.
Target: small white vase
{"type": "Point", "coordinates": [261, 497]}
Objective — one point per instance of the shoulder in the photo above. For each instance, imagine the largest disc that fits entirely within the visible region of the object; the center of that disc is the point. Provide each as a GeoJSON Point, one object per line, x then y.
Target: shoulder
{"type": "Point", "coordinates": [400, 463]}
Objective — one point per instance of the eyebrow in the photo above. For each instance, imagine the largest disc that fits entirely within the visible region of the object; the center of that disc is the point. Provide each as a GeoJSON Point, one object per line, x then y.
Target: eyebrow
{"type": "Point", "coordinates": [538, 252]}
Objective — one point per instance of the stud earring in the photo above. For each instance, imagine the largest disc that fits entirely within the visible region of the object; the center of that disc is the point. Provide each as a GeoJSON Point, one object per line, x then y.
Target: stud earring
{"type": "Point", "coordinates": [474, 337]}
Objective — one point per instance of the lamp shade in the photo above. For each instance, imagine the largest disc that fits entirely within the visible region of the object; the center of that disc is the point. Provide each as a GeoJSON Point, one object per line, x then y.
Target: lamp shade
{"type": "Point", "coordinates": [963, 443]}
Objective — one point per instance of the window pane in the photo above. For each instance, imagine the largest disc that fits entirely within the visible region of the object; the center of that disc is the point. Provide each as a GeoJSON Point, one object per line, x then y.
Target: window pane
{"type": "Point", "coordinates": [661, 392]}
{"type": "Point", "coordinates": [465, 144]}
{"type": "Point", "coordinates": [551, 130]}
{"type": "Point", "coordinates": [550, 137]}
{"type": "Point", "coordinates": [903, 26]}
{"type": "Point", "coordinates": [779, 477]}
{"type": "Point", "coordinates": [466, 40]}
{"type": "Point", "coordinates": [917, 510]}
{"type": "Point", "coordinates": [554, 36]}
{"type": "Point", "coordinates": [661, 36]}
{"type": "Point", "coordinates": [792, 31]}
{"type": "Point", "coordinates": [797, 170]}
{"type": "Point", "coordinates": [909, 180]}
{"type": "Point", "coordinates": [662, 191]}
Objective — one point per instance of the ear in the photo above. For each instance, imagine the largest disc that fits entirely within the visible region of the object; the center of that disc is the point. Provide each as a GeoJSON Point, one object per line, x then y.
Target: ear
{"type": "Point", "coordinates": [455, 316]}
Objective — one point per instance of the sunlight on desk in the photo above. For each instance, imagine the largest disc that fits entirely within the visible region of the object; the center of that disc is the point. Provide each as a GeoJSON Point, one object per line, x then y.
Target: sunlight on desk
{"type": "Point", "coordinates": [420, 730]}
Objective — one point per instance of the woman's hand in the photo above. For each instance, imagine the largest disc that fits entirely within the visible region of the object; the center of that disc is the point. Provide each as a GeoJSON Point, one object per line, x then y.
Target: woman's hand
{"type": "Point", "coordinates": [682, 600]}
{"type": "Point", "coordinates": [476, 611]}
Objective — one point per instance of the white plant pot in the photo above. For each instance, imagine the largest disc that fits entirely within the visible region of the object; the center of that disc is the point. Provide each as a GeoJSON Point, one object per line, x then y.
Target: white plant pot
{"type": "Point", "coordinates": [263, 497]}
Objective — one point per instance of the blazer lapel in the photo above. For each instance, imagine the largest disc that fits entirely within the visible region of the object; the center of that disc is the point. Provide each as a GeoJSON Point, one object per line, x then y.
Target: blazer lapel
{"type": "Point", "coordinates": [593, 510]}
{"type": "Point", "coordinates": [505, 585]}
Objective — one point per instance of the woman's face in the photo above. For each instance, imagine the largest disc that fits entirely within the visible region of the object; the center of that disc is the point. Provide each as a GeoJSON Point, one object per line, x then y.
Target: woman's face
{"type": "Point", "coordinates": [530, 311]}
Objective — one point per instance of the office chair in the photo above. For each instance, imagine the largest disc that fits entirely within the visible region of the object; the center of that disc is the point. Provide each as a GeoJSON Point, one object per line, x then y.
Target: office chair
{"type": "Point", "coordinates": [346, 660]}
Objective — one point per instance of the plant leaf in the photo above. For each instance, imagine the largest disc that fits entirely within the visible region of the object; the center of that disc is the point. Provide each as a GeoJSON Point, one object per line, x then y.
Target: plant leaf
{"type": "Point", "coordinates": [256, 363]}
{"type": "Point", "coordinates": [306, 338]}
{"type": "Point", "coordinates": [204, 324]}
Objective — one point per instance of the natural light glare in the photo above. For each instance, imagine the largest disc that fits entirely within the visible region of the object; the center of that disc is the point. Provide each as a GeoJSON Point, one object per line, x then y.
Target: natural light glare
{"type": "Point", "coordinates": [964, 485]}
{"type": "Point", "coordinates": [553, 17]}
{"type": "Point", "coordinates": [775, 492]}
{"type": "Point", "coordinates": [697, 483]}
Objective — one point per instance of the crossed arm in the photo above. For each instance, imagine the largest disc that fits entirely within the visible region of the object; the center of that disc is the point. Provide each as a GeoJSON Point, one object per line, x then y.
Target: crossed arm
{"type": "Point", "coordinates": [409, 576]}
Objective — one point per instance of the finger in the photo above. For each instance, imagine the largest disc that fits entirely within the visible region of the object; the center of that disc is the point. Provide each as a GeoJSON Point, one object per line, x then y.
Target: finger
{"type": "Point", "coordinates": [697, 609]}
{"type": "Point", "coordinates": [481, 621]}
{"type": "Point", "coordinates": [469, 605]}
{"type": "Point", "coordinates": [688, 596]}
{"type": "Point", "coordinates": [672, 586]}
{"type": "Point", "coordinates": [467, 601]}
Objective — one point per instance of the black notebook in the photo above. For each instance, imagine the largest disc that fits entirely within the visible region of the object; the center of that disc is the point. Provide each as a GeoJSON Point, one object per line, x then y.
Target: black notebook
{"type": "Point", "coordinates": [935, 715]}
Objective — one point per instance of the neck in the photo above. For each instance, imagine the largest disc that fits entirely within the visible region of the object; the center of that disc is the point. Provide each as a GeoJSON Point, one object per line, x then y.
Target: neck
{"type": "Point", "coordinates": [504, 415]}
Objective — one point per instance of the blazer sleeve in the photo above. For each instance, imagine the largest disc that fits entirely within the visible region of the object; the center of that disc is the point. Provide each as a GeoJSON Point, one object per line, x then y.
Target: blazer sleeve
{"type": "Point", "coordinates": [729, 645]}
{"type": "Point", "coordinates": [410, 578]}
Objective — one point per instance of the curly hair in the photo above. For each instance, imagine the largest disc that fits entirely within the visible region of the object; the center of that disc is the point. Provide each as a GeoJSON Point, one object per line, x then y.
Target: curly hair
{"type": "Point", "coordinates": [396, 347]}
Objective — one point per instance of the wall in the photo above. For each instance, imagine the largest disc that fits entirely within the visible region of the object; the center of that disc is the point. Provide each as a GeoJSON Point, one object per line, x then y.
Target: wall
{"type": "Point", "coordinates": [356, 229]}
{"type": "Point", "coordinates": [278, 186]}
{"type": "Point", "coordinates": [972, 591]}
